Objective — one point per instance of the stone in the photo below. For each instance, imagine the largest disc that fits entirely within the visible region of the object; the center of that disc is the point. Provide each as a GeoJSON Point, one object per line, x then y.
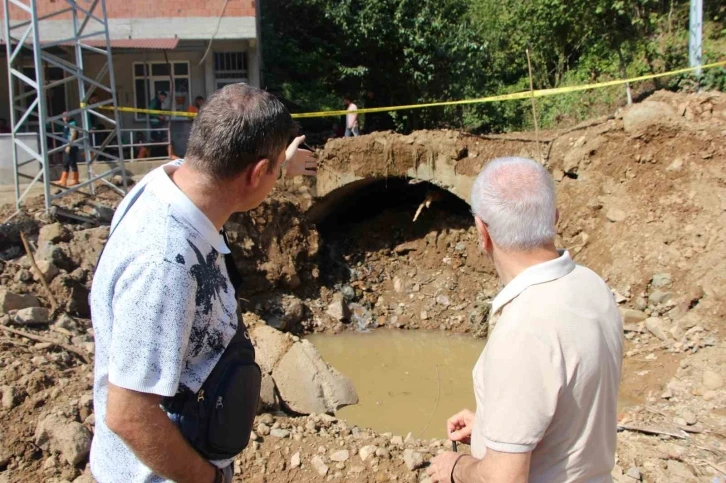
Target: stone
{"type": "Point", "coordinates": [712, 380]}
{"type": "Point", "coordinates": [660, 297]}
{"type": "Point", "coordinates": [279, 433]}
{"type": "Point", "coordinates": [270, 344]}
{"type": "Point", "coordinates": [340, 456]}
{"type": "Point", "coordinates": [656, 326]}
{"type": "Point", "coordinates": [85, 406]}
{"type": "Point", "coordinates": [383, 453]}
{"type": "Point", "coordinates": [104, 213]}
{"type": "Point", "coordinates": [366, 452]}
{"type": "Point", "coordinates": [54, 233]}
{"type": "Point", "coordinates": [69, 438]}
{"type": "Point", "coordinates": [424, 315]}
{"type": "Point", "coordinates": [11, 397]}
{"type": "Point", "coordinates": [268, 397]}
{"type": "Point", "coordinates": [12, 301]}
{"type": "Point", "coordinates": [32, 316]}
{"type": "Point", "coordinates": [634, 473]}
{"type": "Point", "coordinates": [338, 309]}
{"type": "Point", "coordinates": [709, 395]}
{"type": "Point", "coordinates": [319, 465]}
{"type": "Point", "coordinates": [295, 460]}
{"type": "Point", "coordinates": [307, 384]}
{"type": "Point", "coordinates": [85, 478]}
{"type": "Point", "coordinates": [72, 293]}
{"type": "Point", "coordinates": [412, 459]}
{"type": "Point", "coordinates": [615, 215]}
{"type": "Point", "coordinates": [661, 280]}
{"type": "Point", "coordinates": [646, 114]}
{"type": "Point", "coordinates": [675, 165]}
{"type": "Point", "coordinates": [688, 417]}
{"type": "Point", "coordinates": [632, 316]}
{"type": "Point", "coordinates": [679, 421]}
{"type": "Point", "coordinates": [397, 441]}
{"type": "Point", "coordinates": [397, 285]}
{"type": "Point", "coordinates": [294, 310]}
{"type": "Point", "coordinates": [48, 269]}
{"type": "Point", "coordinates": [263, 429]}
{"type": "Point", "coordinates": [443, 300]}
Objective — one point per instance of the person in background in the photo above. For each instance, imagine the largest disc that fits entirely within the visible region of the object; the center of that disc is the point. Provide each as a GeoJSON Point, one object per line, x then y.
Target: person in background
{"type": "Point", "coordinates": [4, 128]}
{"type": "Point", "coordinates": [546, 384]}
{"type": "Point", "coordinates": [198, 103]}
{"type": "Point", "coordinates": [351, 119]}
{"type": "Point", "coordinates": [70, 153]}
{"type": "Point", "coordinates": [158, 122]}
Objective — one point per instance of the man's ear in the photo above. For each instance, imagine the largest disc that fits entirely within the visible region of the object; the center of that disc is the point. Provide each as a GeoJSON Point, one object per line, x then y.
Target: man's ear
{"type": "Point", "coordinates": [257, 172]}
{"type": "Point", "coordinates": [481, 228]}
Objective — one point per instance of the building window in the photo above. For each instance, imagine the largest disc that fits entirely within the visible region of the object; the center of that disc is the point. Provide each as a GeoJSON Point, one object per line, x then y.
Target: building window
{"type": "Point", "coordinates": [153, 77]}
{"type": "Point", "coordinates": [229, 68]}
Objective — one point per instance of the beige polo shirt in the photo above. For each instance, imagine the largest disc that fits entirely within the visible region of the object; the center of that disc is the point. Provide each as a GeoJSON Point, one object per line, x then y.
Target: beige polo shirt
{"type": "Point", "coordinates": [547, 381]}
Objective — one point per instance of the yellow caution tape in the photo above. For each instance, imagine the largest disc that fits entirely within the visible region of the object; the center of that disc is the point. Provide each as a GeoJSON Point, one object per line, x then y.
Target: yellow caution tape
{"type": "Point", "coordinates": [502, 97]}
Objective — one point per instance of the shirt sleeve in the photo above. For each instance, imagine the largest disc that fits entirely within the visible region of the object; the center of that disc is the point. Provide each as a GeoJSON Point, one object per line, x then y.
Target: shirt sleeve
{"type": "Point", "coordinates": [153, 313]}
{"type": "Point", "coordinates": [520, 382]}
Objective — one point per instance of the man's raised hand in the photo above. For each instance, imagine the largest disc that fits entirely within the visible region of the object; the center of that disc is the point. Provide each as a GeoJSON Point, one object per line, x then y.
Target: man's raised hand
{"type": "Point", "coordinates": [300, 162]}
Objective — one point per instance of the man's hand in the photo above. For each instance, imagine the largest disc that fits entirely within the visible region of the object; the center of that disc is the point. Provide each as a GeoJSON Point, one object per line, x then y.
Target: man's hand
{"type": "Point", "coordinates": [299, 162]}
{"type": "Point", "coordinates": [144, 427]}
{"type": "Point", "coordinates": [68, 149]}
{"type": "Point", "coordinates": [441, 467]}
{"type": "Point", "coordinates": [459, 426]}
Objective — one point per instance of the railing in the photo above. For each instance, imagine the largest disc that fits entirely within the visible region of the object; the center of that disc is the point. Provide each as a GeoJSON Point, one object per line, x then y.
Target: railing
{"type": "Point", "coordinates": [141, 142]}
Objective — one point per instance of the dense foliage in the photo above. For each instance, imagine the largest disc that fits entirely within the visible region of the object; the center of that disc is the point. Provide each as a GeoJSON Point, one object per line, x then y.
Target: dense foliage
{"type": "Point", "coordinates": [393, 52]}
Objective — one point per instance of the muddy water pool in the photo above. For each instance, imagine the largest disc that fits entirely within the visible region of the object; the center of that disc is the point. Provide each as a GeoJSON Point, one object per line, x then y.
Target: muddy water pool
{"type": "Point", "coordinates": [412, 381]}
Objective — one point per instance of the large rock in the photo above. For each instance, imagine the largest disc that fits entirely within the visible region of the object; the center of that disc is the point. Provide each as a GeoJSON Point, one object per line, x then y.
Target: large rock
{"type": "Point", "coordinates": [270, 344]}
{"type": "Point", "coordinates": [12, 301]}
{"type": "Point", "coordinates": [307, 384]}
{"type": "Point", "coordinates": [47, 269]}
{"type": "Point", "coordinates": [54, 233]}
{"type": "Point", "coordinates": [412, 459]}
{"type": "Point", "coordinates": [648, 114]}
{"type": "Point", "coordinates": [338, 309]}
{"type": "Point", "coordinates": [71, 294]}
{"type": "Point", "coordinates": [69, 438]}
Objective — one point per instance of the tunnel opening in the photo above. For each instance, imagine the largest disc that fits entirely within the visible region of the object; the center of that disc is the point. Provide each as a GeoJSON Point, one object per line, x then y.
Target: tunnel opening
{"type": "Point", "coordinates": [383, 216]}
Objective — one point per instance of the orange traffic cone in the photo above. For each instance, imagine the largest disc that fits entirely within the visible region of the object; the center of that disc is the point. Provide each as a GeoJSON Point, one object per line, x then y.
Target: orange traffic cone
{"type": "Point", "coordinates": [63, 180]}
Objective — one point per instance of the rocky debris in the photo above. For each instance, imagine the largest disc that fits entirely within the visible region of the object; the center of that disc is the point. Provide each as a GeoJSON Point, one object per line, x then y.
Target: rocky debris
{"type": "Point", "coordinates": [632, 316]}
{"type": "Point", "coordinates": [657, 327]}
{"type": "Point", "coordinates": [366, 452]}
{"type": "Point", "coordinates": [338, 309]}
{"type": "Point", "coordinates": [69, 438]}
{"type": "Point", "coordinates": [295, 460]}
{"type": "Point", "coordinates": [688, 417]}
{"type": "Point", "coordinates": [12, 301]}
{"type": "Point", "coordinates": [712, 380]}
{"type": "Point", "coordinates": [268, 396]}
{"type": "Point", "coordinates": [47, 269]}
{"type": "Point", "coordinates": [54, 233]}
{"type": "Point", "coordinates": [11, 397]}
{"type": "Point", "coordinates": [319, 465]}
{"type": "Point", "coordinates": [647, 114]}
{"type": "Point", "coordinates": [279, 433]}
{"type": "Point", "coordinates": [412, 459]}
{"type": "Point", "coordinates": [661, 280]}
{"type": "Point", "coordinates": [270, 344]}
{"type": "Point", "coordinates": [294, 311]}
{"type": "Point", "coordinates": [307, 384]}
{"type": "Point", "coordinates": [634, 473]}
{"type": "Point", "coordinates": [32, 316]}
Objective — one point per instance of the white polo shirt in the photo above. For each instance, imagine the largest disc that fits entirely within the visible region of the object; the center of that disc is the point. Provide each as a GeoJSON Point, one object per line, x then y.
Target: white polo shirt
{"type": "Point", "coordinates": [163, 310]}
{"type": "Point", "coordinates": [547, 380]}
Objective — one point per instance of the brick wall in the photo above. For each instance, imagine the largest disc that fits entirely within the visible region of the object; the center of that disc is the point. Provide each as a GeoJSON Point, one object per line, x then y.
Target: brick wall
{"type": "Point", "coordinates": [149, 8]}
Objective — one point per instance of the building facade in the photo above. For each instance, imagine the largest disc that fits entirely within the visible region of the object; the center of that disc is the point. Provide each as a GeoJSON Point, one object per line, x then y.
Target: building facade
{"type": "Point", "coordinates": [186, 48]}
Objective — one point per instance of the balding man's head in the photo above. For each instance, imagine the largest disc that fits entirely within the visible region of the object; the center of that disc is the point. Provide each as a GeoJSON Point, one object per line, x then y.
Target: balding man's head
{"type": "Point", "coordinates": [515, 199]}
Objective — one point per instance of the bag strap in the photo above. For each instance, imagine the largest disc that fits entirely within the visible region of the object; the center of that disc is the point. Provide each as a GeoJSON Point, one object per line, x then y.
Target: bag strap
{"type": "Point", "coordinates": [133, 200]}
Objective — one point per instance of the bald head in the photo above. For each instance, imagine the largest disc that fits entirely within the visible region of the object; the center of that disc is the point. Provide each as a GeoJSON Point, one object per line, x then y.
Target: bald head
{"type": "Point", "coordinates": [515, 198]}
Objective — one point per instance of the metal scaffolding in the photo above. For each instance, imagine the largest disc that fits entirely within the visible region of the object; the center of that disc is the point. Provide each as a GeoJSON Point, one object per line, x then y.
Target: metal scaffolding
{"type": "Point", "coordinates": [87, 29]}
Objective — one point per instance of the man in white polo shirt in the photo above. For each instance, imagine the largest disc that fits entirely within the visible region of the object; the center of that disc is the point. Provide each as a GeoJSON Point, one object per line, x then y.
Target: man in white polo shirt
{"type": "Point", "coordinates": [546, 385]}
{"type": "Point", "coordinates": [163, 301]}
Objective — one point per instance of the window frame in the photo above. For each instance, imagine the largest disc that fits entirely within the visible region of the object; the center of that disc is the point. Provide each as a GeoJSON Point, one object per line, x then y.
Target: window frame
{"type": "Point", "coordinates": [150, 85]}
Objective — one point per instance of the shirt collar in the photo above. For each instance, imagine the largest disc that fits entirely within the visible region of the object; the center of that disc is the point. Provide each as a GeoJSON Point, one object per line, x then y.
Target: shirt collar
{"type": "Point", "coordinates": [166, 190]}
{"type": "Point", "coordinates": [534, 275]}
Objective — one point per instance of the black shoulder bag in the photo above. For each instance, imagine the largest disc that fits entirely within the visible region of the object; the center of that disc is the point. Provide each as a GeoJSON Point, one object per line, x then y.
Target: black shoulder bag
{"type": "Point", "coordinates": [217, 419]}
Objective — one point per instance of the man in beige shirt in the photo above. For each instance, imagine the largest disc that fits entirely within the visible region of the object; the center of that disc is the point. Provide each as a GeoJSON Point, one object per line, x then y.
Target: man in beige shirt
{"type": "Point", "coordinates": [547, 382]}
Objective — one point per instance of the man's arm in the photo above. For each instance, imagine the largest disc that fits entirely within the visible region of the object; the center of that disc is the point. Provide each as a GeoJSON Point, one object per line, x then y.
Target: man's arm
{"type": "Point", "coordinates": [496, 467]}
{"type": "Point", "coordinates": [139, 421]}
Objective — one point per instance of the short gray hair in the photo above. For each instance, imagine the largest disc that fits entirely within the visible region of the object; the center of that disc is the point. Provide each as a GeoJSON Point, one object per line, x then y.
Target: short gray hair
{"type": "Point", "coordinates": [515, 198]}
